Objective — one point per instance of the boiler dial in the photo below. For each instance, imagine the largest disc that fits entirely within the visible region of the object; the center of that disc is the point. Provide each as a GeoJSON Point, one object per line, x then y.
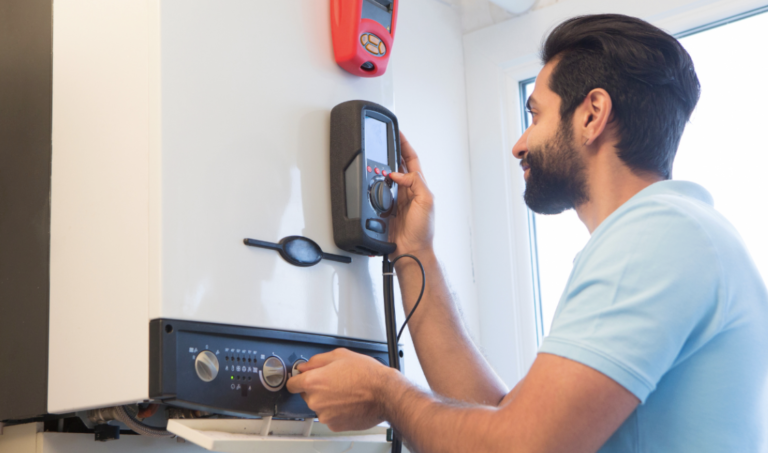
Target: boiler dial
{"type": "Point", "coordinates": [274, 372]}
{"type": "Point", "coordinates": [207, 366]}
{"type": "Point", "coordinates": [295, 368]}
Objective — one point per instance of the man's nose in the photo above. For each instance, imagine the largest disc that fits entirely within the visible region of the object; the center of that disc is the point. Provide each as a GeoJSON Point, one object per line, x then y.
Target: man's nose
{"type": "Point", "coordinates": [521, 147]}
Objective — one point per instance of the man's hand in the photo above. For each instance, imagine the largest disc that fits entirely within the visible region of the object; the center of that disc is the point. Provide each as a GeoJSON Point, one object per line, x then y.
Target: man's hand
{"type": "Point", "coordinates": [413, 228]}
{"type": "Point", "coordinates": [343, 388]}
{"type": "Point", "coordinates": [560, 406]}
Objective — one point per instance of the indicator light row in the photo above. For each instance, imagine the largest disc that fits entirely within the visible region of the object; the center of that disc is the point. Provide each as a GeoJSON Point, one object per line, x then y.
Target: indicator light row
{"type": "Point", "coordinates": [243, 359]}
{"type": "Point", "coordinates": [240, 378]}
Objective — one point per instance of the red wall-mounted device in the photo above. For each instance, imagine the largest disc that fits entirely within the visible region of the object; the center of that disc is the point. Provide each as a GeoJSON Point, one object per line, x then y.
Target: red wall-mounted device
{"type": "Point", "coordinates": [363, 33]}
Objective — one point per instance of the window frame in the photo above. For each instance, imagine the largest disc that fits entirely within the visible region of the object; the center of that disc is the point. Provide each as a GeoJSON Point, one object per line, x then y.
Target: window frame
{"type": "Point", "coordinates": [497, 60]}
{"type": "Point", "coordinates": [538, 308]}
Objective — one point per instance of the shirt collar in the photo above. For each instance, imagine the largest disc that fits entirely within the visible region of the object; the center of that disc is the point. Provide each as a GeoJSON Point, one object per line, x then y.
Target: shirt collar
{"type": "Point", "coordinates": [680, 188]}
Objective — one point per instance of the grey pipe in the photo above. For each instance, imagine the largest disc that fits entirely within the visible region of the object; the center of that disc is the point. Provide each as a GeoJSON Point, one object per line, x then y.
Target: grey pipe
{"type": "Point", "coordinates": [121, 414]}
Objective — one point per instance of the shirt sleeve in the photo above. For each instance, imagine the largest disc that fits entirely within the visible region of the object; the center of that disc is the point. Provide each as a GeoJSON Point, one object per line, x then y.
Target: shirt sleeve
{"type": "Point", "coordinates": [643, 295]}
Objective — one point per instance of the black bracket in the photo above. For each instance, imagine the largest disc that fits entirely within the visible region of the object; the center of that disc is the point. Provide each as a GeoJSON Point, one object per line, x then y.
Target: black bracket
{"type": "Point", "coordinates": [105, 433]}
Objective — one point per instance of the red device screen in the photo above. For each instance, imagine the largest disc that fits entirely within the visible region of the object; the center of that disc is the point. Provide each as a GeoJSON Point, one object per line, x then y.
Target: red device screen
{"type": "Point", "coordinates": [363, 33]}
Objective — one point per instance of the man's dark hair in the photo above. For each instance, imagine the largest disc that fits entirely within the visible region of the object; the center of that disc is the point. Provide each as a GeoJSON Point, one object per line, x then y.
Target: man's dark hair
{"type": "Point", "coordinates": [648, 74]}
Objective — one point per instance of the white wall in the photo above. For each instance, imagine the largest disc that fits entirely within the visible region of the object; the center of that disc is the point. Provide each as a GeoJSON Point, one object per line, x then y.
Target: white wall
{"type": "Point", "coordinates": [430, 104]}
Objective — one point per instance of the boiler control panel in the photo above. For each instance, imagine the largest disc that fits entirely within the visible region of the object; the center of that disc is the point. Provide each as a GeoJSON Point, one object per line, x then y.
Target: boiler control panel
{"type": "Point", "coordinates": [237, 370]}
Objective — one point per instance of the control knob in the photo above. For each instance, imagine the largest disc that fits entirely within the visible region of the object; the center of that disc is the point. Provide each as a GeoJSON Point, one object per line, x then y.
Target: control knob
{"type": "Point", "coordinates": [273, 371]}
{"type": "Point", "coordinates": [207, 366]}
{"type": "Point", "coordinates": [381, 196]}
{"type": "Point", "coordinates": [295, 368]}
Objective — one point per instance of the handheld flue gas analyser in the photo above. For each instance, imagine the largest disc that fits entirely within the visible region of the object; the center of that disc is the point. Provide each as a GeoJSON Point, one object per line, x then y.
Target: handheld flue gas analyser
{"type": "Point", "coordinates": [365, 148]}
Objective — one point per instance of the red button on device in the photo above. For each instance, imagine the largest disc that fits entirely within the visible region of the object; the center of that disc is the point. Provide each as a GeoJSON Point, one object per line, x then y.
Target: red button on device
{"type": "Point", "coordinates": [369, 169]}
{"type": "Point", "coordinates": [384, 172]}
{"type": "Point", "coordinates": [377, 171]}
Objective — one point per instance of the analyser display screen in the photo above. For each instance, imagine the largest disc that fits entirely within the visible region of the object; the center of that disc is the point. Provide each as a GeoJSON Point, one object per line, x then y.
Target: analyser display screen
{"type": "Point", "coordinates": [376, 140]}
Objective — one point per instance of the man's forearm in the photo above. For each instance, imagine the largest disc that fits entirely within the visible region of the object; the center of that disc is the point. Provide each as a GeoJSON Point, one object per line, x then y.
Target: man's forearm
{"type": "Point", "coordinates": [452, 364]}
{"type": "Point", "coordinates": [429, 424]}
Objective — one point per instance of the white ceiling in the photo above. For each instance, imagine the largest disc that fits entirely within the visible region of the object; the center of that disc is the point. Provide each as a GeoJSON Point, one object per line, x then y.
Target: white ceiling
{"type": "Point", "coordinates": [477, 14]}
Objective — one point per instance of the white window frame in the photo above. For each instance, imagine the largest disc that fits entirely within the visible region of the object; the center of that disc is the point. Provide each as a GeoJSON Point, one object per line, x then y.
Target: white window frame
{"type": "Point", "coordinates": [497, 59]}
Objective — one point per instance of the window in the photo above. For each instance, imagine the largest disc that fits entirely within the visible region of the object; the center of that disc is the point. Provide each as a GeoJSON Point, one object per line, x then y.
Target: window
{"type": "Point", "coordinates": [724, 148]}
{"type": "Point", "coordinates": [556, 239]}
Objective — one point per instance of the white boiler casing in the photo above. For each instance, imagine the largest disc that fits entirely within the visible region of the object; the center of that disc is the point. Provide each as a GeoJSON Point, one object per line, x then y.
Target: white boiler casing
{"type": "Point", "coordinates": [181, 127]}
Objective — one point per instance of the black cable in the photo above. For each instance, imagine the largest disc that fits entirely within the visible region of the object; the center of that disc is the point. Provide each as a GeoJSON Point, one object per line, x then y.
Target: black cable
{"type": "Point", "coordinates": [421, 294]}
{"type": "Point", "coordinates": [389, 317]}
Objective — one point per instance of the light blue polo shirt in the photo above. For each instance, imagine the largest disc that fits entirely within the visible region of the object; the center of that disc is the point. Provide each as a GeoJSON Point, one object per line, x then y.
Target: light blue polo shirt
{"type": "Point", "coordinates": [665, 300]}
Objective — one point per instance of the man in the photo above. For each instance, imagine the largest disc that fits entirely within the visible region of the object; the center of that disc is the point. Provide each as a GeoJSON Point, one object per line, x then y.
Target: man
{"type": "Point", "coordinates": [658, 343]}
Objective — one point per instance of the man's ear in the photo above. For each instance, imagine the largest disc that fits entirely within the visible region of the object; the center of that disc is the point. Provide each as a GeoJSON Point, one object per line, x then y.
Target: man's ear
{"type": "Point", "coordinates": [593, 116]}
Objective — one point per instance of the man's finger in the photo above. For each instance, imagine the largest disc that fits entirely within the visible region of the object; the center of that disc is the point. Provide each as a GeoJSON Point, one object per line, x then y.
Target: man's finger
{"type": "Point", "coordinates": [317, 361]}
{"type": "Point", "coordinates": [401, 178]}
{"type": "Point", "coordinates": [296, 384]}
{"type": "Point", "coordinates": [414, 181]}
{"type": "Point", "coordinates": [404, 179]}
{"type": "Point", "coordinates": [409, 155]}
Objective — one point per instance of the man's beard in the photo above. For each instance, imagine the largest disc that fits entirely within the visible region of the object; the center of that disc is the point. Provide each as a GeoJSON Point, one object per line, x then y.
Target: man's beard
{"type": "Point", "coordinates": [556, 176]}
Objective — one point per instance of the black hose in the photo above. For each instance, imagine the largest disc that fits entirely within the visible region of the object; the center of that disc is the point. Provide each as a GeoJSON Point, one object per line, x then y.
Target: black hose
{"type": "Point", "coordinates": [391, 327]}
